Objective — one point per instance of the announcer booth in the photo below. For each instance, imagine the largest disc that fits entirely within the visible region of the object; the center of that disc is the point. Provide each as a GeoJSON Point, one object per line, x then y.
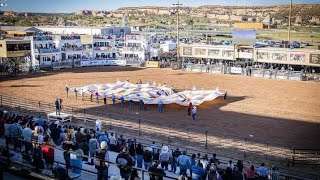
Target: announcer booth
{"type": "Point", "coordinates": [61, 118]}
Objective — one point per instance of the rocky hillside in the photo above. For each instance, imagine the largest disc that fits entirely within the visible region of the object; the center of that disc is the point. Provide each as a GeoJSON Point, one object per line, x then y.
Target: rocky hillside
{"type": "Point", "coordinates": [225, 13]}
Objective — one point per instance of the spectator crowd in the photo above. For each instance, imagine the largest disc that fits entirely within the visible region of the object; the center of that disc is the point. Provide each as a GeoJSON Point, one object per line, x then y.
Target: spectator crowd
{"type": "Point", "coordinates": [38, 140]}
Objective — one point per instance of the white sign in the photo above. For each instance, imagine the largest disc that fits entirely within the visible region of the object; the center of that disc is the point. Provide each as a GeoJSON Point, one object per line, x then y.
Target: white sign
{"type": "Point", "coordinates": [236, 70]}
{"type": "Point", "coordinates": [103, 62]}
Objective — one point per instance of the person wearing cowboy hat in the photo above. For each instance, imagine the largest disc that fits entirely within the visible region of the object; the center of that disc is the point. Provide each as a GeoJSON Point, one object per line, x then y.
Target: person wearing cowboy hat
{"type": "Point", "coordinates": [147, 157]}
{"type": "Point", "coordinates": [164, 157]}
{"type": "Point", "coordinates": [194, 112]}
{"type": "Point", "coordinates": [125, 163]}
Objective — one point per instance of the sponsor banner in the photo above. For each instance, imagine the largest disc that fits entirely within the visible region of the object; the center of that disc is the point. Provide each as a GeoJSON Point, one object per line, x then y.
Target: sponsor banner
{"type": "Point", "coordinates": [236, 70]}
{"type": "Point", "coordinates": [315, 58]}
{"type": "Point", "coordinates": [152, 64]}
{"type": "Point", "coordinates": [298, 57]}
{"type": "Point", "coordinates": [279, 56]}
{"type": "Point", "coordinates": [103, 63]}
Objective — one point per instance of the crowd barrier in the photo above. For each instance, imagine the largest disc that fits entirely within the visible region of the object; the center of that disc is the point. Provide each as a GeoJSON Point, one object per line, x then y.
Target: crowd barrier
{"type": "Point", "coordinates": [42, 173]}
{"type": "Point", "coordinates": [139, 128]}
{"type": "Point", "coordinates": [248, 71]}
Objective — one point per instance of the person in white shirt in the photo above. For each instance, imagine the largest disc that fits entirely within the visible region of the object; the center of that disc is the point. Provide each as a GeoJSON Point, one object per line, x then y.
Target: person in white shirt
{"type": "Point", "coordinates": [27, 136]}
{"type": "Point", "coordinates": [194, 112]}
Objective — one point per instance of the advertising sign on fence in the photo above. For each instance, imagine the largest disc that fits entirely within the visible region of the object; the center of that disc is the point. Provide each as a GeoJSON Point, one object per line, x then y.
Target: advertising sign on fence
{"type": "Point", "coordinates": [315, 58]}
{"type": "Point", "coordinates": [236, 70]}
{"type": "Point", "coordinates": [103, 63]}
{"type": "Point", "coordinates": [152, 64]}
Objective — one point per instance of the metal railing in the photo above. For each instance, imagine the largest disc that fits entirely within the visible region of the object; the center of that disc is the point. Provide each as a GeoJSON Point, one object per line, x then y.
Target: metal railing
{"type": "Point", "coordinates": [8, 149]}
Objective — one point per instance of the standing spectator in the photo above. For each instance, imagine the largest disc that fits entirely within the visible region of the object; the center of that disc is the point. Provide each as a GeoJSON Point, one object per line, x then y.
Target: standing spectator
{"type": "Point", "coordinates": [121, 101]}
{"type": "Point", "coordinates": [15, 131]}
{"type": "Point", "coordinates": [134, 175]}
{"type": "Point", "coordinates": [27, 135]}
{"type": "Point", "coordinates": [227, 174]}
{"type": "Point", "coordinates": [40, 121]}
{"type": "Point", "coordinates": [189, 108]}
{"type": "Point", "coordinates": [91, 95]}
{"type": "Point", "coordinates": [101, 162]}
{"type": "Point", "coordinates": [183, 163]}
{"type": "Point", "coordinates": [113, 97]}
{"type": "Point", "coordinates": [263, 171]}
{"type": "Point", "coordinates": [84, 146]}
{"type": "Point", "coordinates": [57, 103]}
{"type": "Point", "coordinates": [141, 104]}
{"type": "Point", "coordinates": [37, 139]}
{"type": "Point", "coordinates": [139, 152]}
{"type": "Point", "coordinates": [160, 105]}
{"type": "Point", "coordinates": [147, 157]}
{"type": "Point", "coordinates": [164, 157]}
{"type": "Point", "coordinates": [194, 112]}
{"type": "Point", "coordinates": [93, 146]}
{"type": "Point", "coordinates": [103, 137]}
{"type": "Point", "coordinates": [237, 175]}
{"type": "Point", "coordinates": [154, 147]}
{"type": "Point", "coordinates": [105, 98]}
{"type": "Point", "coordinates": [125, 163]}
{"type": "Point", "coordinates": [97, 97]}
{"type": "Point", "coordinates": [75, 93]}
{"type": "Point", "coordinates": [112, 142]}
{"type": "Point", "coordinates": [155, 172]}
{"type": "Point", "coordinates": [240, 165]}
{"type": "Point", "coordinates": [82, 94]}
{"type": "Point", "coordinates": [197, 171]}
{"type": "Point", "coordinates": [212, 172]}
{"type": "Point", "coordinates": [47, 149]}
{"type": "Point", "coordinates": [79, 136]}
{"type": "Point", "coordinates": [67, 90]}
{"type": "Point", "coordinates": [55, 134]}
{"type": "Point", "coordinates": [275, 174]}
{"type": "Point", "coordinates": [250, 171]}
{"type": "Point", "coordinates": [214, 160]}
{"type": "Point", "coordinates": [132, 150]}
{"type": "Point", "coordinates": [174, 161]}
{"type": "Point", "coordinates": [230, 164]}
{"type": "Point", "coordinates": [76, 159]}
{"type": "Point", "coordinates": [131, 104]}
{"type": "Point", "coordinates": [2, 122]}
{"type": "Point", "coordinates": [192, 163]}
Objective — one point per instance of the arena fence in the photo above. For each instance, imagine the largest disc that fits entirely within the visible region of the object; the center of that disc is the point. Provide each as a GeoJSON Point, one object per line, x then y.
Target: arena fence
{"type": "Point", "coordinates": [7, 149]}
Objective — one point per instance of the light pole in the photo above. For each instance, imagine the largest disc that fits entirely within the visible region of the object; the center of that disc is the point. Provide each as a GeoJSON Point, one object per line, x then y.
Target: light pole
{"type": "Point", "coordinates": [289, 28]}
{"type": "Point", "coordinates": [2, 4]}
{"type": "Point", "coordinates": [177, 9]}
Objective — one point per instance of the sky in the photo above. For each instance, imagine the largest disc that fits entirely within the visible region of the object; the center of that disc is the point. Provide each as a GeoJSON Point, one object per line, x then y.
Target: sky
{"type": "Point", "coordinates": [68, 6]}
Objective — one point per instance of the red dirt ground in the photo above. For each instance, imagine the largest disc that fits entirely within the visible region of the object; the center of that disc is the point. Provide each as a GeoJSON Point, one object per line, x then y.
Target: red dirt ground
{"type": "Point", "coordinates": [275, 111]}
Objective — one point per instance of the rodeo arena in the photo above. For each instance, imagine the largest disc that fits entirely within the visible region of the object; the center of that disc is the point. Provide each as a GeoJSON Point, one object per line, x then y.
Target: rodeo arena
{"type": "Point", "coordinates": [114, 105]}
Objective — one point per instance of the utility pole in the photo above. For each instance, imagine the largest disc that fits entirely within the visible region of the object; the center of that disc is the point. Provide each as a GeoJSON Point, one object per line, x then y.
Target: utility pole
{"type": "Point", "coordinates": [2, 4]}
{"type": "Point", "coordinates": [177, 9]}
{"type": "Point", "coordinates": [289, 28]}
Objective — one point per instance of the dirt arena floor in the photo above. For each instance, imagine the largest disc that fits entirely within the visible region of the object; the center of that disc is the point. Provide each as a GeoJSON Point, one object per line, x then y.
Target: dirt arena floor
{"type": "Point", "coordinates": [274, 111]}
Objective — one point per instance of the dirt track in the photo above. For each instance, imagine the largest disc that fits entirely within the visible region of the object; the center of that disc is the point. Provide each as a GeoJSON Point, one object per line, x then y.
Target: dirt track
{"type": "Point", "coordinates": [274, 111]}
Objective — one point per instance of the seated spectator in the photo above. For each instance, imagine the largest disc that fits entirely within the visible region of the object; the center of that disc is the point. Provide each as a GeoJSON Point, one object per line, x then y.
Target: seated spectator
{"type": "Point", "coordinates": [155, 172]}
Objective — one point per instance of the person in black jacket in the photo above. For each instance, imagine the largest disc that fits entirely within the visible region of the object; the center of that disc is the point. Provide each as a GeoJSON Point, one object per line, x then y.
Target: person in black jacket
{"type": "Point", "coordinates": [125, 163]}
{"type": "Point", "coordinates": [155, 172]}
